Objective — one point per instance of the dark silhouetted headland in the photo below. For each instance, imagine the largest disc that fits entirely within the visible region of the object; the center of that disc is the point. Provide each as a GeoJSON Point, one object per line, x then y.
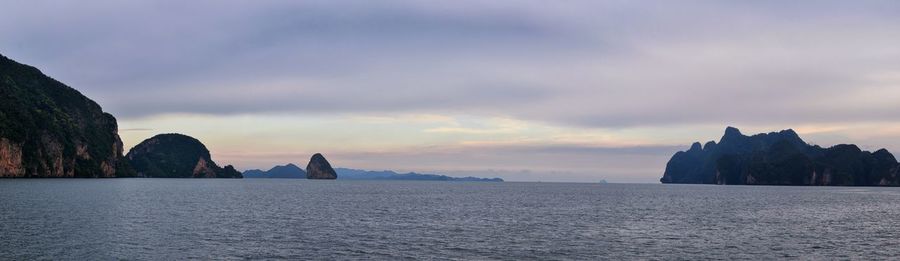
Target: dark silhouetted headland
{"type": "Point", "coordinates": [780, 158]}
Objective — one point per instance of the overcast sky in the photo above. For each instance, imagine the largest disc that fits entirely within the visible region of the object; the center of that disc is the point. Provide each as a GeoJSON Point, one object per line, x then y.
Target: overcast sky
{"type": "Point", "coordinates": [524, 90]}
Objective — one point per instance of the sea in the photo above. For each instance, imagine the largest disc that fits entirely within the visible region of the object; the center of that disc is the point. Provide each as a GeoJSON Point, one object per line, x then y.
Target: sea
{"type": "Point", "coordinates": [233, 219]}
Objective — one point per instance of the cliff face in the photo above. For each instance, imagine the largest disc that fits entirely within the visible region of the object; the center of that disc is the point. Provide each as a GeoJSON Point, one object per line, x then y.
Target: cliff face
{"type": "Point", "coordinates": [319, 168]}
{"type": "Point", "coordinates": [780, 158]}
{"type": "Point", "coordinates": [176, 156]}
{"type": "Point", "coordinates": [48, 129]}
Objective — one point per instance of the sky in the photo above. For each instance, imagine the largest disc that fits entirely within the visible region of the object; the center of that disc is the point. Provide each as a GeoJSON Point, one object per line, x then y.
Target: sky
{"type": "Point", "coordinates": [553, 91]}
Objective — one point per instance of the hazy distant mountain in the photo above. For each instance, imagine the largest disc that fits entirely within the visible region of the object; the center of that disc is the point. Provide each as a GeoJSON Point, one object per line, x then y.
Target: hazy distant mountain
{"type": "Point", "coordinates": [292, 171]}
{"type": "Point", "coordinates": [289, 171]}
{"type": "Point", "coordinates": [254, 173]}
{"type": "Point", "coordinates": [357, 174]}
{"type": "Point", "coordinates": [780, 158]}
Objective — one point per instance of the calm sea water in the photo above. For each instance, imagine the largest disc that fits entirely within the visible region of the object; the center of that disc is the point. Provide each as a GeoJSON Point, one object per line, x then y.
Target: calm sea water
{"type": "Point", "coordinates": [91, 219]}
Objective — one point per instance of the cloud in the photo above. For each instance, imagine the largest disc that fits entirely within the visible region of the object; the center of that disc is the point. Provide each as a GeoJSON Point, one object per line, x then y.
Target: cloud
{"type": "Point", "coordinates": [151, 58]}
{"type": "Point", "coordinates": [583, 63]}
{"type": "Point", "coordinates": [629, 73]}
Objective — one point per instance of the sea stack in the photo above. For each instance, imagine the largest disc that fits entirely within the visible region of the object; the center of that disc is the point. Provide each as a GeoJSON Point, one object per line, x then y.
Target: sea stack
{"type": "Point", "coordinates": [319, 168]}
{"type": "Point", "coordinates": [176, 156]}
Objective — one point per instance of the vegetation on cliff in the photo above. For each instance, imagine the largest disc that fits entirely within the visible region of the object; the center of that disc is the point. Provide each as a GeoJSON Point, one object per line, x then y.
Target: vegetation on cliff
{"type": "Point", "coordinates": [48, 129]}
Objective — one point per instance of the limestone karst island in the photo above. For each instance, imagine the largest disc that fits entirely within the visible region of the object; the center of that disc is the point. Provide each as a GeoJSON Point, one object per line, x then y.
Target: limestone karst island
{"type": "Point", "coordinates": [780, 158]}
{"type": "Point", "coordinates": [50, 130]}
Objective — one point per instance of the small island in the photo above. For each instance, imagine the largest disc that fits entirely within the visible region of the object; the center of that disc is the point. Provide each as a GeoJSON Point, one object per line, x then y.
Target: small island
{"type": "Point", "coordinates": [319, 168]}
{"type": "Point", "coordinates": [176, 156]}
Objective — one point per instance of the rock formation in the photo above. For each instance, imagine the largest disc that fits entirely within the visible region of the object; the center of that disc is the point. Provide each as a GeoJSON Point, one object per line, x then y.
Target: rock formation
{"type": "Point", "coordinates": [48, 129]}
{"type": "Point", "coordinates": [176, 156]}
{"type": "Point", "coordinates": [319, 168]}
{"type": "Point", "coordinates": [780, 158]}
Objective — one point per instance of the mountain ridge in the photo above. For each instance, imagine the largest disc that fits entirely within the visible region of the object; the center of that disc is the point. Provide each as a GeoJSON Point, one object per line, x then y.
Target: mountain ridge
{"type": "Point", "coordinates": [279, 171]}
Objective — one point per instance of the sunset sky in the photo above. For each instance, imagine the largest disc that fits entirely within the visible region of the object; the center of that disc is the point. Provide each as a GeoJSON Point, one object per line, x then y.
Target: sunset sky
{"type": "Point", "coordinates": [523, 90]}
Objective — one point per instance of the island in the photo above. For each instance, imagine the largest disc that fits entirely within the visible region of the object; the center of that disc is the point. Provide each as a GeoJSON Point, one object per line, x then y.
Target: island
{"type": "Point", "coordinates": [319, 168]}
{"type": "Point", "coordinates": [176, 156]}
{"type": "Point", "coordinates": [288, 171]}
{"type": "Point", "coordinates": [780, 158]}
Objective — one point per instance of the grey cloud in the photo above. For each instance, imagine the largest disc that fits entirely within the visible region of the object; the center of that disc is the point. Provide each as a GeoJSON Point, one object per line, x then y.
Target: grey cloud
{"type": "Point", "coordinates": [583, 63]}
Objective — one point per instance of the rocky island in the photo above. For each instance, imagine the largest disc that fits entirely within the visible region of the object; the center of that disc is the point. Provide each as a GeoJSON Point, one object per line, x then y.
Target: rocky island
{"type": "Point", "coordinates": [319, 168]}
{"type": "Point", "coordinates": [780, 158]}
{"type": "Point", "coordinates": [176, 156]}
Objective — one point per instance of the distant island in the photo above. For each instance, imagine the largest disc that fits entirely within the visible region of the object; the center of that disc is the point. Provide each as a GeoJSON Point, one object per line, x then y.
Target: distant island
{"type": "Point", "coordinates": [391, 175]}
{"type": "Point", "coordinates": [292, 171]}
{"type": "Point", "coordinates": [289, 171]}
{"type": "Point", "coordinates": [780, 158]}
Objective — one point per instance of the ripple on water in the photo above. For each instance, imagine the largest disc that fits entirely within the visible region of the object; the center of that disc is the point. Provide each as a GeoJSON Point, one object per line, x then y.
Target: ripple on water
{"type": "Point", "coordinates": [300, 219]}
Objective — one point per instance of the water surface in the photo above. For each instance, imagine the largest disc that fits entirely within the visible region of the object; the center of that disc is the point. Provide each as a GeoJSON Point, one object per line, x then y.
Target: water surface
{"type": "Point", "coordinates": [91, 219]}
